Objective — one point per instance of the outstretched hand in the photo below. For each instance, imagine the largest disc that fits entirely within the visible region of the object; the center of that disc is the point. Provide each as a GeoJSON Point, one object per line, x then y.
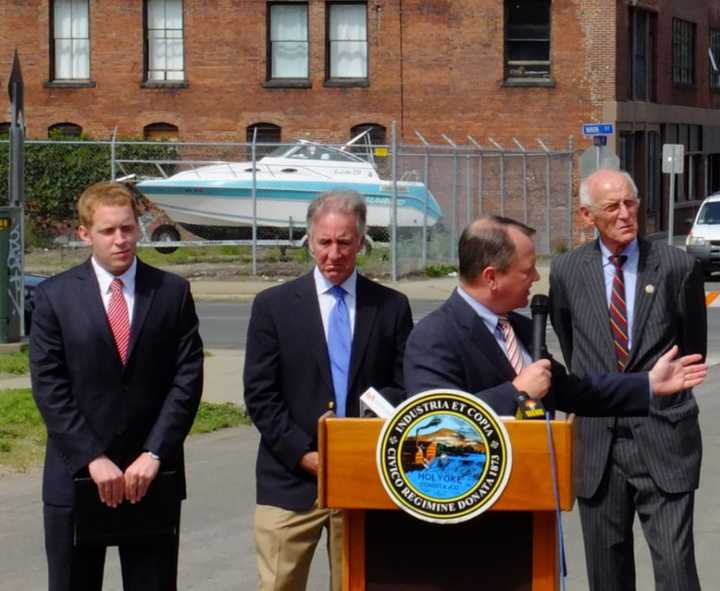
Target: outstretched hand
{"type": "Point", "coordinates": [670, 375]}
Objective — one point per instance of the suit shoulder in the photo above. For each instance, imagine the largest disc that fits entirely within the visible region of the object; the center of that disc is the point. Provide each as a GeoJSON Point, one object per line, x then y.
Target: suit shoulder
{"type": "Point", "coordinates": [673, 256]}
{"type": "Point", "coordinates": [160, 277]}
{"type": "Point", "coordinates": [380, 291]}
{"type": "Point", "coordinates": [283, 290]}
{"type": "Point", "coordinates": [571, 258]}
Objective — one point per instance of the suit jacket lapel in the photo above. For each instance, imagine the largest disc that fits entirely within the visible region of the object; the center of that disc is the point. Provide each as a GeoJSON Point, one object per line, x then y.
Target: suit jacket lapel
{"type": "Point", "coordinates": [647, 275]}
{"type": "Point", "coordinates": [144, 293]}
{"type": "Point", "coordinates": [481, 338]}
{"type": "Point", "coordinates": [593, 283]}
{"type": "Point", "coordinates": [89, 294]}
{"type": "Point", "coordinates": [312, 325]}
{"type": "Point", "coordinates": [365, 310]}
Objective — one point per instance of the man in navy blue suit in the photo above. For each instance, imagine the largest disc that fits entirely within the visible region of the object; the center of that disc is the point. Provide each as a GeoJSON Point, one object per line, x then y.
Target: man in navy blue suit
{"type": "Point", "coordinates": [476, 342]}
{"type": "Point", "coordinates": [314, 344]}
{"type": "Point", "coordinates": [117, 372]}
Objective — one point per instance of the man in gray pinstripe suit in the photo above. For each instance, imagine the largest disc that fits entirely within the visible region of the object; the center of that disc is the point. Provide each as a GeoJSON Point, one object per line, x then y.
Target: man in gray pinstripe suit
{"type": "Point", "coordinates": [654, 295]}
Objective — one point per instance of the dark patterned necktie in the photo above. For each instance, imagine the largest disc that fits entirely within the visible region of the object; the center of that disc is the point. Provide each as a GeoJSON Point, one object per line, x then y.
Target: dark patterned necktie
{"type": "Point", "coordinates": [618, 313]}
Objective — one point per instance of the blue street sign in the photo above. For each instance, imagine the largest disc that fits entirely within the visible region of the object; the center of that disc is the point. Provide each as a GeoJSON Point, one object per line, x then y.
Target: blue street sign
{"type": "Point", "coordinates": [592, 129]}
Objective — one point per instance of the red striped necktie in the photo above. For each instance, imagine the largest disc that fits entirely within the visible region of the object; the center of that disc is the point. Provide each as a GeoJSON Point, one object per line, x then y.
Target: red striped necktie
{"type": "Point", "coordinates": [119, 319]}
{"type": "Point", "coordinates": [511, 344]}
{"type": "Point", "coordinates": [618, 313]}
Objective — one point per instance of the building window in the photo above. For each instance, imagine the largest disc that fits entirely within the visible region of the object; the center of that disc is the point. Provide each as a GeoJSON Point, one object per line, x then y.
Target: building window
{"type": "Point", "coordinates": [683, 44]}
{"type": "Point", "coordinates": [714, 59]}
{"type": "Point", "coordinates": [160, 132]}
{"type": "Point", "coordinates": [347, 49]}
{"type": "Point", "coordinates": [4, 130]}
{"type": "Point", "coordinates": [288, 41]}
{"type": "Point", "coordinates": [643, 54]}
{"type": "Point", "coordinates": [527, 39]}
{"type": "Point", "coordinates": [267, 133]}
{"type": "Point", "coordinates": [164, 41]}
{"type": "Point", "coordinates": [64, 130]}
{"type": "Point", "coordinates": [377, 135]}
{"type": "Point", "coordinates": [71, 40]}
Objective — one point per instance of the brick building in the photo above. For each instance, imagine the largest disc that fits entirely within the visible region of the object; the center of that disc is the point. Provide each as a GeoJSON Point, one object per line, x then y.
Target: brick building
{"type": "Point", "coordinates": [525, 69]}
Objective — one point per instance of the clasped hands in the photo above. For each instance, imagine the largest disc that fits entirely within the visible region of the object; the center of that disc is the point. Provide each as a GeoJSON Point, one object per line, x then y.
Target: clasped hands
{"type": "Point", "coordinates": [115, 486]}
{"type": "Point", "coordinates": [668, 376]}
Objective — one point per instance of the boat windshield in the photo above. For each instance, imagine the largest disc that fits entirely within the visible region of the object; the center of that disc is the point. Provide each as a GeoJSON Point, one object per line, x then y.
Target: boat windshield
{"type": "Point", "coordinates": [304, 150]}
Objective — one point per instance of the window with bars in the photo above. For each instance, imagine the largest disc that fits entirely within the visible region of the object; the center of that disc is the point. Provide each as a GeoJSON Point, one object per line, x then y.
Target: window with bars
{"type": "Point", "coordinates": [64, 130]}
{"type": "Point", "coordinates": [164, 51]}
{"type": "Point", "coordinates": [714, 59]}
{"type": "Point", "coordinates": [288, 41]}
{"type": "Point", "coordinates": [161, 131]}
{"type": "Point", "coordinates": [683, 45]}
{"type": "Point", "coordinates": [527, 38]}
{"type": "Point", "coordinates": [643, 54]}
{"type": "Point", "coordinates": [71, 40]}
{"type": "Point", "coordinates": [347, 42]}
{"type": "Point", "coordinates": [267, 133]}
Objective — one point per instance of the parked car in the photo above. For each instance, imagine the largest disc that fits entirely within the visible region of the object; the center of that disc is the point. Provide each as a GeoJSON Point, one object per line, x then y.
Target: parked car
{"type": "Point", "coordinates": [704, 238]}
{"type": "Point", "coordinates": [30, 282]}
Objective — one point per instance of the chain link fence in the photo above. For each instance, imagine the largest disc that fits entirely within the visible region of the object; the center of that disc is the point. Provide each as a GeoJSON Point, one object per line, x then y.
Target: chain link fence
{"type": "Point", "coordinates": [534, 186]}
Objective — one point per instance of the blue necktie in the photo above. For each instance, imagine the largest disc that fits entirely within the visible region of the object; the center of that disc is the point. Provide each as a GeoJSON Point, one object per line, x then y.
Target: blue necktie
{"type": "Point", "coordinates": [339, 343]}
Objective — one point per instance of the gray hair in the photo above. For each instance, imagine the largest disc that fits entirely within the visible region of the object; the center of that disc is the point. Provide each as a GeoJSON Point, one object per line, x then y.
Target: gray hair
{"type": "Point", "coordinates": [586, 197]}
{"type": "Point", "coordinates": [347, 202]}
{"type": "Point", "coordinates": [485, 242]}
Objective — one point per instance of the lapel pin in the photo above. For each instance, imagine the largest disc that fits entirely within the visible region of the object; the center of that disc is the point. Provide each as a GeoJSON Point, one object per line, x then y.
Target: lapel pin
{"type": "Point", "coordinates": [649, 289]}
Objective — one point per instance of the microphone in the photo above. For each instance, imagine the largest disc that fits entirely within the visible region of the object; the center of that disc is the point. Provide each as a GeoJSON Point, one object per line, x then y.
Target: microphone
{"type": "Point", "coordinates": [539, 306]}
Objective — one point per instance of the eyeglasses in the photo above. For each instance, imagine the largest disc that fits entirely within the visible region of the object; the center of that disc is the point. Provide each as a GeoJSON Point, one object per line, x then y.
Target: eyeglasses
{"type": "Point", "coordinates": [614, 206]}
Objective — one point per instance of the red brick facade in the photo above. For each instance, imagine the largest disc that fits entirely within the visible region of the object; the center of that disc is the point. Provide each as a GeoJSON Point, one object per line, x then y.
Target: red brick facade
{"type": "Point", "coordinates": [436, 66]}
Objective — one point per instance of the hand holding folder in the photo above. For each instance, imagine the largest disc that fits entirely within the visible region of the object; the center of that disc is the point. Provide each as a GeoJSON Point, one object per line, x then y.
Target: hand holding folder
{"type": "Point", "coordinates": [156, 515]}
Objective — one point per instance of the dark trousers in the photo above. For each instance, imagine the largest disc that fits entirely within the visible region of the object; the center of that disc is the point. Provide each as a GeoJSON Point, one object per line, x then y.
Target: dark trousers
{"type": "Point", "coordinates": [607, 525]}
{"type": "Point", "coordinates": [150, 566]}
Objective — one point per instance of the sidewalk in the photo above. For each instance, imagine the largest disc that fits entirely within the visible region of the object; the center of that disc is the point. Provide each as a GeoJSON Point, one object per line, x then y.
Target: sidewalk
{"type": "Point", "coordinates": [425, 288]}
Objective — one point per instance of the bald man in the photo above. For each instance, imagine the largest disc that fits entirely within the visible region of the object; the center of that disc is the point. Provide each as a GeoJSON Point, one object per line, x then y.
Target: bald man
{"type": "Point", "coordinates": [617, 304]}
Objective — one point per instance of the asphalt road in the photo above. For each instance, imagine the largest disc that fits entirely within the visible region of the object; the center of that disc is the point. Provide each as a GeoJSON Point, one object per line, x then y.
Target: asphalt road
{"type": "Point", "coordinates": [217, 550]}
{"type": "Point", "coordinates": [223, 325]}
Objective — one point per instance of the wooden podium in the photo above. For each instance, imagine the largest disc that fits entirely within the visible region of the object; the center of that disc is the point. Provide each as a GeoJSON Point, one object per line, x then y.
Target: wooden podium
{"type": "Point", "coordinates": [511, 547]}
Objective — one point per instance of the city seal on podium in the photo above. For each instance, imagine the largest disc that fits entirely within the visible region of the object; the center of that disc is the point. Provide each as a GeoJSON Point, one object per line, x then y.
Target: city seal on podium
{"type": "Point", "coordinates": [444, 456]}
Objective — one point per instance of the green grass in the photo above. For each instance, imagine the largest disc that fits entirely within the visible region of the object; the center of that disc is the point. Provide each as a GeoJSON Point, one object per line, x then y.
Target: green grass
{"type": "Point", "coordinates": [213, 417]}
{"type": "Point", "coordinates": [22, 431]}
{"type": "Point", "coordinates": [14, 363]}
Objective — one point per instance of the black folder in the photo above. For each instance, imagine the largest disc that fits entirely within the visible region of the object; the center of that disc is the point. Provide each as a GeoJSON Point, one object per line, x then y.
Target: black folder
{"type": "Point", "coordinates": [155, 516]}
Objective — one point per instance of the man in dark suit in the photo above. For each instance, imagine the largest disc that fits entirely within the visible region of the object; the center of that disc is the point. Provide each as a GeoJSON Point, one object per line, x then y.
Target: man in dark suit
{"type": "Point", "coordinates": [474, 342]}
{"type": "Point", "coordinates": [314, 344]}
{"type": "Point", "coordinates": [117, 373]}
{"type": "Point", "coordinates": [618, 303]}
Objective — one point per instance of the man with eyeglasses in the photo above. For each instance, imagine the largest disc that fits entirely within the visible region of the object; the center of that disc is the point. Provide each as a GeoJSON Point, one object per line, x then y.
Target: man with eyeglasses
{"type": "Point", "coordinates": [617, 304]}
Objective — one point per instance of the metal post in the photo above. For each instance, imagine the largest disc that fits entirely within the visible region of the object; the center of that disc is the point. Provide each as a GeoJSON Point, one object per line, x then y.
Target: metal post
{"type": "Point", "coordinates": [671, 209]}
{"type": "Point", "coordinates": [570, 192]}
{"type": "Point", "coordinates": [524, 180]}
{"type": "Point", "coordinates": [480, 172]}
{"type": "Point", "coordinates": [113, 166]}
{"type": "Point", "coordinates": [547, 194]}
{"type": "Point", "coordinates": [502, 174]}
{"type": "Point", "coordinates": [468, 187]}
{"type": "Point", "coordinates": [254, 202]}
{"type": "Point", "coordinates": [452, 248]}
{"type": "Point", "coordinates": [393, 215]}
{"type": "Point", "coordinates": [426, 182]}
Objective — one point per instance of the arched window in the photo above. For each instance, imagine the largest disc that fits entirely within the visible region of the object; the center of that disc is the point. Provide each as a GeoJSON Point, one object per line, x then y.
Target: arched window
{"type": "Point", "coordinates": [64, 130]}
{"type": "Point", "coordinates": [160, 131]}
{"type": "Point", "coordinates": [377, 135]}
{"type": "Point", "coordinates": [267, 133]}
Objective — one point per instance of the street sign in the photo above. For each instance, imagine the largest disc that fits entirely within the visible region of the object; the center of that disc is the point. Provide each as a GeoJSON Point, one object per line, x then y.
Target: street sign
{"type": "Point", "coordinates": [592, 129]}
{"type": "Point", "coordinates": [673, 158]}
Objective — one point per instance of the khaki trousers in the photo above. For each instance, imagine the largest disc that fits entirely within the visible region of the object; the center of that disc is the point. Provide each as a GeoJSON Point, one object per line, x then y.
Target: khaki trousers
{"type": "Point", "coordinates": [286, 541]}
